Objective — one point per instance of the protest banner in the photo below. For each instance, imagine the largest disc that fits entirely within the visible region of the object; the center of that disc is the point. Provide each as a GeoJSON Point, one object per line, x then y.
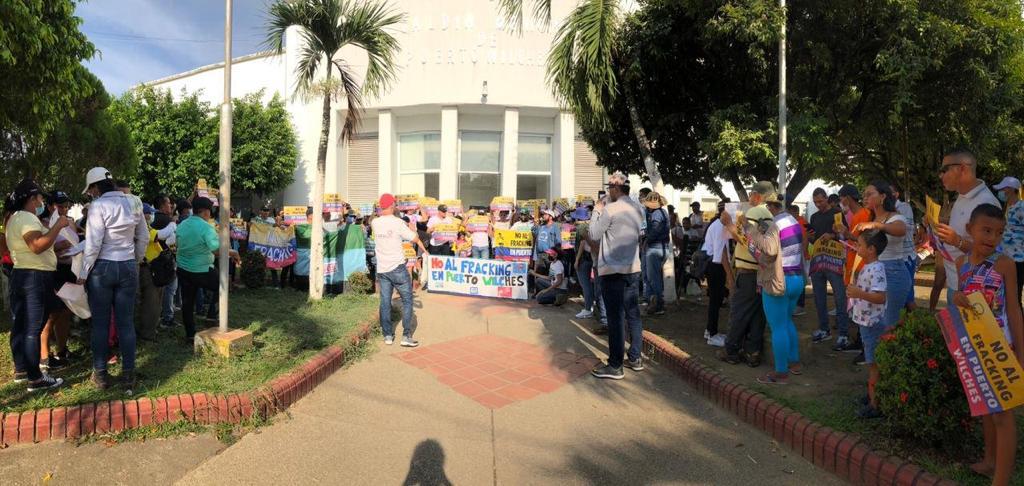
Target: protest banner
{"type": "Point", "coordinates": [204, 190]}
{"type": "Point", "coordinates": [477, 224]}
{"type": "Point", "coordinates": [406, 202]}
{"type": "Point", "coordinates": [568, 231]}
{"type": "Point", "coordinates": [333, 203]}
{"type": "Point", "coordinates": [344, 252]}
{"type": "Point", "coordinates": [985, 363]}
{"type": "Point", "coordinates": [584, 200]}
{"type": "Point", "coordinates": [513, 245]}
{"type": "Point", "coordinates": [366, 210]}
{"type": "Point", "coordinates": [294, 214]}
{"type": "Point", "coordinates": [446, 232]}
{"type": "Point", "coordinates": [484, 278]}
{"type": "Point", "coordinates": [501, 203]}
{"type": "Point", "coordinates": [408, 250]}
{"type": "Point", "coordinates": [561, 205]}
{"type": "Point", "coordinates": [828, 256]}
{"type": "Point", "coordinates": [454, 206]}
{"type": "Point", "coordinates": [429, 205]}
{"type": "Point", "coordinates": [275, 243]}
{"type": "Point", "coordinates": [238, 229]}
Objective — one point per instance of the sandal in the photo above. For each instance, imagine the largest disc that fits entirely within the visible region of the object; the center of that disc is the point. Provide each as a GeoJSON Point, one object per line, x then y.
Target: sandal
{"type": "Point", "coordinates": [728, 358]}
{"type": "Point", "coordinates": [799, 370]}
{"type": "Point", "coordinates": [773, 378]}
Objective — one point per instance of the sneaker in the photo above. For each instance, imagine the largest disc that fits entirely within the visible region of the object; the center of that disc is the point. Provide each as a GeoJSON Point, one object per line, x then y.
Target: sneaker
{"type": "Point", "coordinates": [842, 344]}
{"type": "Point", "coordinates": [820, 336]}
{"type": "Point", "coordinates": [53, 364]}
{"type": "Point", "coordinates": [128, 381]}
{"type": "Point", "coordinates": [167, 325]}
{"type": "Point", "coordinates": [408, 342]}
{"type": "Point", "coordinates": [604, 322]}
{"type": "Point", "coordinates": [732, 359]}
{"type": "Point", "coordinates": [707, 335]}
{"type": "Point", "coordinates": [47, 382]}
{"type": "Point", "coordinates": [607, 372]}
{"type": "Point", "coordinates": [637, 365]}
{"type": "Point", "coordinates": [585, 314]}
{"type": "Point", "coordinates": [389, 340]}
{"type": "Point", "coordinates": [855, 347]}
{"type": "Point", "coordinates": [20, 377]}
{"type": "Point", "coordinates": [101, 379]}
{"type": "Point", "coordinates": [799, 312]}
{"type": "Point", "coordinates": [718, 340]}
{"type": "Point", "coordinates": [112, 360]}
{"type": "Point", "coordinates": [753, 359]}
{"type": "Point", "coordinates": [600, 330]}
{"type": "Point", "coordinates": [860, 360]}
{"type": "Point", "coordinates": [832, 312]}
{"type": "Point", "coordinates": [773, 379]}
{"type": "Point", "coordinates": [658, 311]}
{"type": "Point", "coordinates": [869, 412]}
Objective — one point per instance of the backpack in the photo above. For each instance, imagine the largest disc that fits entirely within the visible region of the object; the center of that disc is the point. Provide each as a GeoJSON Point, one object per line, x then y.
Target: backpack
{"type": "Point", "coordinates": [163, 268]}
{"type": "Point", "coordinates": [699, 264]}
{"type": "Point", "coordinates": [657, 226]}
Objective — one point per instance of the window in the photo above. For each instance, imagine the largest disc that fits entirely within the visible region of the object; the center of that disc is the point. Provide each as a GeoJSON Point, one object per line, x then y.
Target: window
{"type": "Point", "coordinates": [479, 167]}
{"type": "Point", "coordinates": [419, 164]}
{"type": "Point", "coordinates": [533, 172]}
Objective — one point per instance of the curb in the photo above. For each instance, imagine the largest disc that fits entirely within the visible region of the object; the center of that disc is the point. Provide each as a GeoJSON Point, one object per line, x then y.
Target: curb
{"type": "Point", "coordinates": [62, 423]}
{"type": "Point", "coordinates": [842, 454]}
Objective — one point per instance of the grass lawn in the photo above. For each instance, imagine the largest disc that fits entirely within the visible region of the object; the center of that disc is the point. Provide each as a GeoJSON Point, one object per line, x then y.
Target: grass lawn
{"type": "Point", "coordinates": [287, 331]}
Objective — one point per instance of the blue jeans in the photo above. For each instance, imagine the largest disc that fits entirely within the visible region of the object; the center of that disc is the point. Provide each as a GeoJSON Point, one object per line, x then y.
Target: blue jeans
{"type": "Point", "coordinates": [586, 281]}
{"type": "Point", "coordinates": [655, 256]}
{"type": "Point", "coordinates": [481, 253]}
{"type": "Point", "coordinates": [547, 298]}
{"type": "Point", "coordinates": [912, 268]}
{"type": "Point", "coordinates": [779, 311]}
{"type": "Point", "coordinates": [32, 296]}
{"type": "Point", "coordinates": [819, 282]}
{"type": "Point", "coordinates": [622, 298]}
{"type": "Point", "coordinates": [599, 297]}
{"type": "Point", "coordinates": [112, 289]}
{"type": "Point", "coordinates": [167, 313]}
{"type": "Point", "coordinates": [397, 279]}
{"type": "Point", "coordinates": [898, 285]}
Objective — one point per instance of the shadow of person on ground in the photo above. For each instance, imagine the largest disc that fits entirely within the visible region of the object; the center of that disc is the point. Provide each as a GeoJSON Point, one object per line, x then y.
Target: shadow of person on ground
{"type": "Point", "coordinates": [427, 466]}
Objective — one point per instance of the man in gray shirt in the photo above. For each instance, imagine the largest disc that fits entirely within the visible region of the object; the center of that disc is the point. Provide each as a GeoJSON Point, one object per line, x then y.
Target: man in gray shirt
{"type": "Point", "coordinates": [615, 226]}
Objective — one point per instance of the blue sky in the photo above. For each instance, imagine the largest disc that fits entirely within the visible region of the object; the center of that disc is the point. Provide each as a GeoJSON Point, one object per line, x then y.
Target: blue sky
{"type": "Point", "coordinates": [142, 40]}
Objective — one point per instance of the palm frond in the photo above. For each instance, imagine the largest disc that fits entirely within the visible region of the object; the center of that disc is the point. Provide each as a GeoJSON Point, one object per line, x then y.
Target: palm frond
{"type": "Point", "coordinates": [310, 57]}
{"type": "Point", "coordinates": [369, 26]}
{"type": "Point", "coordinates": [512, 12]}
{"type": "Point", "coordinates": [581, 69]}
{"type": "Point", "coordinates": [353, 98]}
{"type": "Point", "coordinates": [280, 16]}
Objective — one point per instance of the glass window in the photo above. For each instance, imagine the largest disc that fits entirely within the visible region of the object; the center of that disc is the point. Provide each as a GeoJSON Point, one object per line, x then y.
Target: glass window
{"type": "Point", "coordinates": [479, 167]}
{"type": "Point", "coordinates": [533, 170]}
{"type": "Point", "coordinates": [419, 163]}
{"type": "Point", "coordinates": [529, 186]}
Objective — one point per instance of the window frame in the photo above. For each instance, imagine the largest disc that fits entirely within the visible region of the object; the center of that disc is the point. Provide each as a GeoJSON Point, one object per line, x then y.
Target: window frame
{"type": "Point", "coordinates": [419, 171]}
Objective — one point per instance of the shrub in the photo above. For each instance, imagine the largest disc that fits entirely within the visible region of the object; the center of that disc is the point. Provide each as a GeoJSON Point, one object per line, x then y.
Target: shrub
{"type": "Point", "coordinates": [254, 269]}
{"type": "Point", "coordinates": [919, 391]}
{"type": "Point", "coordinates": [360, 283]}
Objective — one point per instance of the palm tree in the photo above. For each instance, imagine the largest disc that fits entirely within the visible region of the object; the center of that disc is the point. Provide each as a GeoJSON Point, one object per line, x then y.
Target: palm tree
{"type": "Point", "coordinates": [581, 65]}
{"type": "Point", "coordinates": [327, 26]}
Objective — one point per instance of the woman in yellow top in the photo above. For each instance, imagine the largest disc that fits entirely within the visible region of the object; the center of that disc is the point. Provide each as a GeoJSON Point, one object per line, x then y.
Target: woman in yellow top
{"type": "Point", "coordinates": [32, 291]}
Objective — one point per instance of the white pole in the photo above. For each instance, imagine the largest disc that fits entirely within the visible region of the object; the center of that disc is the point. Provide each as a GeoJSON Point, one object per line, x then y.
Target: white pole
{"type": "Point", "coordinates": [225, 175]}
{"type": "Point", "coordinates": [783, 155]}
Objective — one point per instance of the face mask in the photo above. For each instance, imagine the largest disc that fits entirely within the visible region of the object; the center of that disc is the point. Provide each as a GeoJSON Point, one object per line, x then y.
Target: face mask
{"type": "Point", "coordinates": [39, 211]}
{"type": "Point", "coordinates": [149, 218]}
{"type": "Point", "coordinates": [1002, 196]}
{"type": "Point", "coordinates": [350, 219]}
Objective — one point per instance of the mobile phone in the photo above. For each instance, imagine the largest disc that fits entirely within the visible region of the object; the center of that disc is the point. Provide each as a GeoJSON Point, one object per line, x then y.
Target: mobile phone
{"type": "Point", "coordinates": [600, 195]}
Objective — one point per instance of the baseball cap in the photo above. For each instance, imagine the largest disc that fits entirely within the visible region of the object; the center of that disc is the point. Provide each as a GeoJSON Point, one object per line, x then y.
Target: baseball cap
{"type": "Point", "coordinates": [551, 252]}
{"type": "Point", "coordinates": [617, 179]}
{"type": "Point", "coordinates": [849, 190]}
{"type": "Point", "coordinates": [58, 197]}
{"type": "Point", "coordinates": [550, 212]}
{"type": "Point", "coordinates": [386, 201]}
{"type": "Point", "coordinates": [442, 208]}
{"type": "Point", "coordinates": [148, 209]}
{"type": "Point", "coordinates": [1007, 183]}
{"type": "Point", "coordinates": [766, 190]}
{"type": "Point", "coordinates": [201, 203]}
{"type": "Point", "coordinates": [581, 214]}
{"type": "Point", "coordinates": [95, 175]}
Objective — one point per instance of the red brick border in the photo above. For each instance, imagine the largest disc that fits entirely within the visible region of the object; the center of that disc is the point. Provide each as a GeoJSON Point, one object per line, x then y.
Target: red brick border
{"type": "Point", "coordinates": [844, 455]}
{"type": "Point", "coordinates": [205, 408]}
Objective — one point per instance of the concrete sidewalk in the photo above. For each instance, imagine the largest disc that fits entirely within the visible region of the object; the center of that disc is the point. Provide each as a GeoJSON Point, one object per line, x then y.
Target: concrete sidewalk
{"type": "Point", "coordinates": [505, 401]}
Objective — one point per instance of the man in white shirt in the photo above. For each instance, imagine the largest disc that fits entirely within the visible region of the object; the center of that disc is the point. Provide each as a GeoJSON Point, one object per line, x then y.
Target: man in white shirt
{"type": "Point", "coordinates": [716, 241]}
{"type": "Point", "coordinates": [959, 173]}
{"type": "Point", "coordinates": [438, 247]}
{"type": "Point", "coordinates": [389, 233]}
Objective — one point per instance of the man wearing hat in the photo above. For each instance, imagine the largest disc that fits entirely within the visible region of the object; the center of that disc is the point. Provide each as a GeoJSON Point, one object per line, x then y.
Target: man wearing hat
{"type": "Point", "coordinates": [389, 233]}
{"type": "Point", "coordinates": [1008, 191]}
{"type": "Point", "coordinates": [615, 228]}
{"type": "Point", "coordinates": [438, 247]}
{"type": "Point", "coordinates": [657, 249]}
{"type": "Point", "coordinates": [547, 234]}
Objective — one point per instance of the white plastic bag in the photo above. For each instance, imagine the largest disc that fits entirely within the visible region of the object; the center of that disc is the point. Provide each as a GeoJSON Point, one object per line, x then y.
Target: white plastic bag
{"type": "Point", "coordinates": [74, 296]}
{"type": "Point", "coordinates": [693, 290]}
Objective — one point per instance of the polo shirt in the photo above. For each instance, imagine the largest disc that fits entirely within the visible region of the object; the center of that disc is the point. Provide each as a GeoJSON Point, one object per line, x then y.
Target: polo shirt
{"type": "Point", "coordinates": [958, 219]}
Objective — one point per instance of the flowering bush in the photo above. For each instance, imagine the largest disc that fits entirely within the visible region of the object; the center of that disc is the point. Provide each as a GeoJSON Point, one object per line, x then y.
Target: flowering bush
{"type": "Point", "coordinates": [919, 391]}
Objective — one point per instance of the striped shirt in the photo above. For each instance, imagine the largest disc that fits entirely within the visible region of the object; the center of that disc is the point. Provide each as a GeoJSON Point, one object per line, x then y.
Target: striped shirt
{"type": "Point", "coordinates": [791, 244]}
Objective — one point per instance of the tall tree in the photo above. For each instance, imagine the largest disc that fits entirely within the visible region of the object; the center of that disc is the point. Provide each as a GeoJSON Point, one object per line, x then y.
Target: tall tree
{"type": "Point", "coordinates": [265, 147]}
{"type": "Point", "coordinates": [327, 26]}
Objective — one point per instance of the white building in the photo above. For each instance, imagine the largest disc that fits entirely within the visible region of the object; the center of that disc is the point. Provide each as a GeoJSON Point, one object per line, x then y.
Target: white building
{"type": "Point", "coordinates": [470, 116]}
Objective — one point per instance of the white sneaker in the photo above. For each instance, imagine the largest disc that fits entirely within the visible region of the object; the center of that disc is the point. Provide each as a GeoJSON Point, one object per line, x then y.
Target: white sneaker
{"type": "Point", "coordinates": [799, 312]}
{"type": "Point", "coordinates": [585, 314]}
{"type": "Point", "coordinates": [389, 340]}
{"type": "Point", "coordinates": [604, 321]}
{"type": "Point", "coordinates": [832, 312]}
{"type": "Point", "coordinates": [707, 335]}
{"type": "Point", "coordinates": [718, 340]}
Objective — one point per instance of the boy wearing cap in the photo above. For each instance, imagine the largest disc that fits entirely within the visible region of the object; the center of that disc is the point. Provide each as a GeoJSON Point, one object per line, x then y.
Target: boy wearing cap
{"type": "Point", "coordinates": [1008, 191]}
{"type": "Point", "coordinates": [389, 233]}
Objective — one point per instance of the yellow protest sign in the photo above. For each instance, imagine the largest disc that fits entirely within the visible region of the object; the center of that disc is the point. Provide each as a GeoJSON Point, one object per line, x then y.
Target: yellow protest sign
{"type": "Point", "coordinates": [931, 212]}
{"type": "Point", "coordinates": [406, 202]}
{"type": "Point", "coordinates": [584, 200]}
{"type": "Point", "coordinates": [447, 232]}
{"type": "Point", "coordinates": [294, 214]}
{"type": "Point", "coordinates": [477, 224]}
{"type": "Point", "coordinates": [333, 203]}
{"type": "Point", "coordinates": [454, 206]}
{"type": "Point", "coordinates": [513, 245]}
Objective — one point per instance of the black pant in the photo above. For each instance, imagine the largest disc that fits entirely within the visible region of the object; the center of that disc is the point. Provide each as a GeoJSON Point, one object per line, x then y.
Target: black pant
{"type": "Point", "coordinates": [716, 294]}
{"type": "Point", "coordinates": [746, 316]}
{"type": "Point", "coordinates": [190, 284]}
{"type": "Point", "coordinates": [444, 249]}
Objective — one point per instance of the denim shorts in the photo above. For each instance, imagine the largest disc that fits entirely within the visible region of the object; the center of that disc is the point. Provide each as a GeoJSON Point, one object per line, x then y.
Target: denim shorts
{"type": "Point", "coordinates": [871, 336]}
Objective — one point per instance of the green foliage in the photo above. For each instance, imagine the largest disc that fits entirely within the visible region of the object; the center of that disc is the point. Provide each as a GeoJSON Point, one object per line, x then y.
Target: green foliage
{"type": "Point", "coordinates": [919, 390]}
{"type": "Point", "coordinates": [254, 269]}
{"type": "Point", "coordinates": [177, 142]}
{"type": "Point", "coordinates": [360, 283]}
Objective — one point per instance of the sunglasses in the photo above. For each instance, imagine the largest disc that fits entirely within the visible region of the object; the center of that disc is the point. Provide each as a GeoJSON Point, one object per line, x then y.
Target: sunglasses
{"type": "Point", "coordinates": [945, 168]}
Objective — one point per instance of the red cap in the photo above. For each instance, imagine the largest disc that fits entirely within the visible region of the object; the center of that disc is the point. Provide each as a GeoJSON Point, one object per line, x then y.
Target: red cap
{"type": "Point", "coordinates": [386, 201]}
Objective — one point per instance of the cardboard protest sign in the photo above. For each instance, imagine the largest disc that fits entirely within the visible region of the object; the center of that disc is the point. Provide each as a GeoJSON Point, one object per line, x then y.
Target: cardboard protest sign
{"type": "Point", "coordinates": [406, 202]}
{"type": "Point", "coordinates": [454, 206]}
{"type": "Point", "coordinates": [513, 245]}
{"type": "Point", "coordinates": [275, 243]}
{"type": "Point", "coordinates": [333, 203]}
{"type": "Point", "coordinates": [985, 363]}
{"type": "Point", "coordinates": [561, 205]}
{"type": "Point", "coordinates": [584, 200]}
{"type": "Point", "coordinates": [828, 256]}
{"type": "Point", "coordinates": [238, 229]}
{"type": "Point", "coordinates": [932, 211]}
{"type": "Point", "coordinates": [484, 278]}
{"type": "Point", "coordinates": [446, 232]}
{"type": "Point", "coordinates": [477, 224]}
{"type": "Point", "coordinates": [568, 231]}
{"type": "Point", "coordinates": [366, 210]}
{"type": "Point", "coordinates": [501, 203]}
{"type": "Point", "coordinates": [204, 190]}
{"type": "Point", "coordinates": [408, 250]}
{"type": "Point", "coordinates": [294, 214]}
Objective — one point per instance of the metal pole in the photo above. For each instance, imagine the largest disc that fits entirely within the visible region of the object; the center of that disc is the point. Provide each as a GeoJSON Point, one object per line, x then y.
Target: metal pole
{"type": "Point", "coordinates": [783, 155]}
{"type": "Point", "coordinates": [225, 175]}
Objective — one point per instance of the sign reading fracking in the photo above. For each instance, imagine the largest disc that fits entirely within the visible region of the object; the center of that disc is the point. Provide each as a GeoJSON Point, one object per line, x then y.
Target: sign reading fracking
{"type": "Point", "coordinates": [568, 231]}
{"type": "Point", "coordinates": [513, 245]}
{"type": "Point", "coordinates": [828, 256]}
{"type": "Point", "coordinates": [277, 244]}
{"type": "Point", "coordinates": [484, 278]}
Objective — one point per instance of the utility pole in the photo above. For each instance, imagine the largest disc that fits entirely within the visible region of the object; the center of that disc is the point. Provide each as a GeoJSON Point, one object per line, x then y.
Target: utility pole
{"type": "Point", "coordinates": [783, 155]}
{"type": "Point", "coordinates": [225, 176]}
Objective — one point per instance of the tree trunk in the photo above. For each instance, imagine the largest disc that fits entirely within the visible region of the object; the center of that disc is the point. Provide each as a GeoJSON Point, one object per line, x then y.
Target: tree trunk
{"type": "Point", "coordinates": [798, 182]}
{"type": "Point", "coordinates": [316, 243]}
{"type": "Point", "coordinates": [737, 184]}
{"type": "Point", "coordinates": [650, 165]}
{"type": "Point", "coordinates": [716, 188]}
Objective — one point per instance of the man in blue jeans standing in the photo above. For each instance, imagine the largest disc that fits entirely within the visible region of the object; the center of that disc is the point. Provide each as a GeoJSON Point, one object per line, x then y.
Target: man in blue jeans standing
{"type": "Point", "coordinates": [656, 249]}
{"type": "Point", "coordinates": [389, 233]}
{"type": "Point", "coordinates": [615, 225]}
{"type": "Point", "coordinates": [825, 271]}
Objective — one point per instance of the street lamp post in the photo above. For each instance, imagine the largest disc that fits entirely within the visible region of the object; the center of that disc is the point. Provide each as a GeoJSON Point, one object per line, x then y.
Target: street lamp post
{"type": "Point", "coordinates": [225, 176]}
{"type": "Point", "coordinates": [783, 155]}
